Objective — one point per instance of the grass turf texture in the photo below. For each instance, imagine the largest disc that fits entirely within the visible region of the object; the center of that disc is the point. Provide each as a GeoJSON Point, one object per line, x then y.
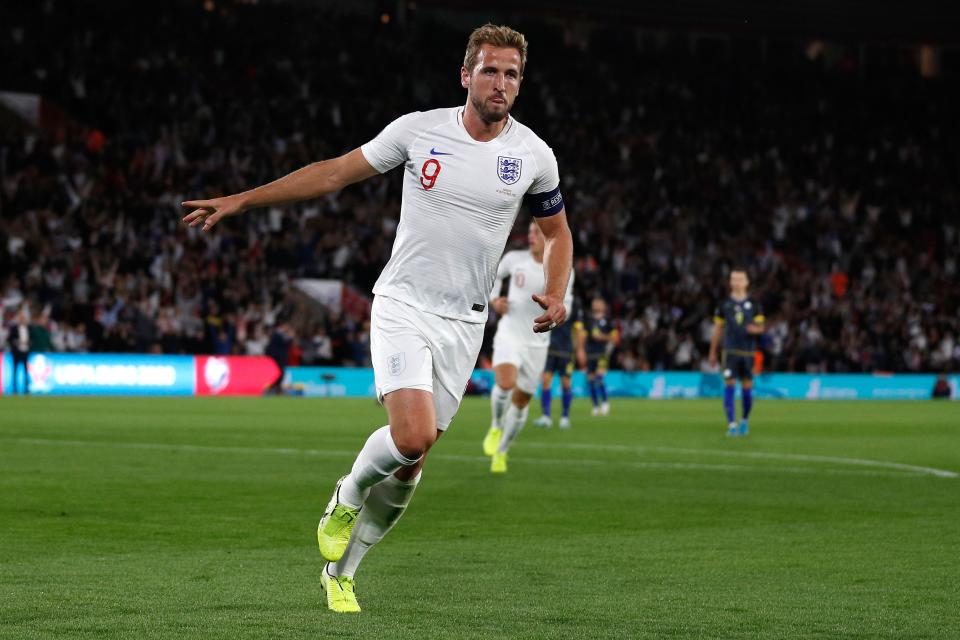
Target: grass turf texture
{"type": "Point", "coordinates": [173, 518]}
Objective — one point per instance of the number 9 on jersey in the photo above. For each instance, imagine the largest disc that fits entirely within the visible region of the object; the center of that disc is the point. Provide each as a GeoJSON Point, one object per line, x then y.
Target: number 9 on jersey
{"type": "Point", "coordinates": [429, 172]}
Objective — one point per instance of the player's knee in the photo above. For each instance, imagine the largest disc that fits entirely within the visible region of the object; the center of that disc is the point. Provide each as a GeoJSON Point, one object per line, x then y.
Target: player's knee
{"type": "Point", "coordinates": [506, 379]}
{"type": "Point", "coordinates": [413, 439]}
{"type": "Point", "coordinates": [413, 446]}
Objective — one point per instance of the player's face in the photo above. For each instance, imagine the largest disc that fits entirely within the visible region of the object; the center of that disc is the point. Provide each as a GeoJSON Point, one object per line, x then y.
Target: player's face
{"type": "Point", "coordinates": [494, 82]}
{"type": "Point", "coordinates": [738, 282]}
{"type": "Point", "coordinates": [598, 307]}
{"type": "Point", "coordinates": [535, 238]}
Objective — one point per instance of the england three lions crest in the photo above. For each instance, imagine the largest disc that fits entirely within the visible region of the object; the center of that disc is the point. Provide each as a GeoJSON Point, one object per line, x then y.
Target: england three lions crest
{"type": "Point", "coordinates": [508, 169]}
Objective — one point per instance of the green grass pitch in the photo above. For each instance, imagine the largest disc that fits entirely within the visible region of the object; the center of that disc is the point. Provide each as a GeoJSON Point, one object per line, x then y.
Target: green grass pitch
{"type": "Point", "coordinates": [196, 518]}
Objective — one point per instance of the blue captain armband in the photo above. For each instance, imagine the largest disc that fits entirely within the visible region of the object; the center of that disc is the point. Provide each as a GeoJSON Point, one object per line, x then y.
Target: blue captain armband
{"type": "Point", "coordinates": [547, 203]}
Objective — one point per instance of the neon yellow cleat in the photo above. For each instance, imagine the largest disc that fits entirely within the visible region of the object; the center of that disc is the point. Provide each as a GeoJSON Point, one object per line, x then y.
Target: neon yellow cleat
{"type": "Point", "coordinates": [492, 441]}
{"type": "Point", "coordinates": [340, 593]}
{"type": "Point", "coordinates": [335, 527]}
{"type": "Point", "coordinates": [498, 464]}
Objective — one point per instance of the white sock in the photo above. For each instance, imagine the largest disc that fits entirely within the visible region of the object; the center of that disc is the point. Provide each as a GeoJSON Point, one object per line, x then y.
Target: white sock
{"type": "Point", "coordinates": [513, 422]}
{"type": "Point", "coordinates": [499, 399]}
{"type": "Point", "coordinates": [384, 506]}
{"type": "Point", "coordinates": [378, 459]}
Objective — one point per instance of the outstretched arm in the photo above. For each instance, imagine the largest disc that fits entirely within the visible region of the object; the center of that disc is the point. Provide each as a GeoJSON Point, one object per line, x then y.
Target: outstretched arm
{"type": "Point", "coordinates": [312, 181]}
{"type": "Point", "coordinates": [557, 263]}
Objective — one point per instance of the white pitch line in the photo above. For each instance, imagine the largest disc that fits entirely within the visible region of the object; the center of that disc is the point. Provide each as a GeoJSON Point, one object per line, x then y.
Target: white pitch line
{"type": "Point", "coordinates": [800, 457]}
{"type": "Point", "coordinates": [902, 470]}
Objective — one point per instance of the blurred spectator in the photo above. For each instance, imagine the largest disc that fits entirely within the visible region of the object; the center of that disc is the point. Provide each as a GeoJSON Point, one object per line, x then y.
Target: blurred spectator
{"type": "Point", "coordinates": [18, 338]}
{"type": "Point", "coordinates": [278, 348]}
{"type": "Point", "coordinates": [941, 389]}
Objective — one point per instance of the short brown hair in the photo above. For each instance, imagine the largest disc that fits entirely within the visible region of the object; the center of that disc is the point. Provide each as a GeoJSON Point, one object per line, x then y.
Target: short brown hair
{"type": "Point", "coordinates": [498, 36]}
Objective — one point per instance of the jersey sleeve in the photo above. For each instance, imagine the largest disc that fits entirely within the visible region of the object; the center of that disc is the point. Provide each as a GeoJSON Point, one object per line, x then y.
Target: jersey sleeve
{"type": "Point", "coordinates": [758, 316]}
{"type": "Point", "coordinates": [391, 146]}
{"type": "Point", "coordinates": [544, 192]}
{"type": "Point", "coordinates": [579, 330]}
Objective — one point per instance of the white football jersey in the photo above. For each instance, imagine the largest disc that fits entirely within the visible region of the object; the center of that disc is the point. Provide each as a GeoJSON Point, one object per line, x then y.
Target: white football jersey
{"type": "Point", "coordinates": [526, 278]}
{"type": "Point", "coordinates": [460, 200]}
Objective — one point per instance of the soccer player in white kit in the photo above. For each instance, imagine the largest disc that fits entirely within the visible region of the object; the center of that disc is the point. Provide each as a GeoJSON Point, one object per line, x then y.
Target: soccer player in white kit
{"type": "Point", "coordinates": [519, 355]}
{"type": "Point", "coordinates": [466, 171]}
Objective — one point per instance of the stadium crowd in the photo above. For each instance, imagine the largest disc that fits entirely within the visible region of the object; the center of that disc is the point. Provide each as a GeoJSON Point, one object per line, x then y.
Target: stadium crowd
{"type": "Point", "coordinates": [833, 183]}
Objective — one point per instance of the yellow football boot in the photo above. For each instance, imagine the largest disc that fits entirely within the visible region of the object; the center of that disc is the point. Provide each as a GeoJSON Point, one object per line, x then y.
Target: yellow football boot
{"type": "Point", "coordinates": [335, 527]}
{"type": "Point", "coordinates": [340, 593]}
{"type": "Point", "coordinates": [498, 464]}
{"type": "Point", "coordinates": [492, 441]}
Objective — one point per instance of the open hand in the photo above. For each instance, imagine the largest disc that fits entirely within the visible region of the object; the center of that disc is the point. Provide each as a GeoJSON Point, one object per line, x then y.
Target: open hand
{"type": "Point", "coordinates": [210, 212]}
{"type": "Point", "coordinates": [554, 313]}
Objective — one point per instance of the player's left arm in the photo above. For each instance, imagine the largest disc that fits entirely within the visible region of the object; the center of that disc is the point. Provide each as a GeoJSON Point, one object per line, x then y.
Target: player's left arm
{"type": "Point", "coordinates": [756, 326]}
{"type": "Point", "coordinates": [557, 264]}
{"type": "Point", "coordinates": [615, 337]}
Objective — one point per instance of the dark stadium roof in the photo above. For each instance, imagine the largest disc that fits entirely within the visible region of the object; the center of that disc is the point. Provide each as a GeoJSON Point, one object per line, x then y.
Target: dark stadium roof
{"type": "Point", "coordinates": [917, 20]}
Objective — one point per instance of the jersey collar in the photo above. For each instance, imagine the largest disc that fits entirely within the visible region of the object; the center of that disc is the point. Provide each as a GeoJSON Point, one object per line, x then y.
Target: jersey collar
{"type": "Point", "coordinates": [501, 137]}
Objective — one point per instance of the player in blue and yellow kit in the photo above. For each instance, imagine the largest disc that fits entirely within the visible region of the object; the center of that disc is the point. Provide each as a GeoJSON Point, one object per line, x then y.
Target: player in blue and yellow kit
{"type": "Point", "coordinates": [595, 342]}
{"type": "Point", "coordinates": [738, 321]}
{"type": "Point", "coordinates": [560, 361]}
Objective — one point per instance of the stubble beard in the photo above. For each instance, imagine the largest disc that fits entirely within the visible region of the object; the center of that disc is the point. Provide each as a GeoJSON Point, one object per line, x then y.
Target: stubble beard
{"type": "Point", "coordinates": [488, 116]}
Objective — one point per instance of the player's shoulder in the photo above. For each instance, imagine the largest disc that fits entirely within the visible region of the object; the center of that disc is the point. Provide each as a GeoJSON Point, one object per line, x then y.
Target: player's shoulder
{"type": "Point", "coordinates": [440, 115]}
{"type": "Point", "coordinates": [423, 120]}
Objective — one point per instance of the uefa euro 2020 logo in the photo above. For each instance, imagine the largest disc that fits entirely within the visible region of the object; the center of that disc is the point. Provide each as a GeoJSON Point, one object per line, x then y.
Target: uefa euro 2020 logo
{"type": "Point", "coordinates": [40, 370]}
{"type": "Point", "coordinates": [216, 373]}
{"type": "Point", "coordinates": [508, 169]}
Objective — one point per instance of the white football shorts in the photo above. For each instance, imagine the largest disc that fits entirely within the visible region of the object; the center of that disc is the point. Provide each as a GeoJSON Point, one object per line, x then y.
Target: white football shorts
{"type": "Point", "coordinates": [529, 359]}
{"type": "Point", "coordinates": [413, 349]}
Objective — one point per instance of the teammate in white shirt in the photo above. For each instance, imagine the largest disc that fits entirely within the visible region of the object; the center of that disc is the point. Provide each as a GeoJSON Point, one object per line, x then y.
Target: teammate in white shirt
{"type": "Point", "coordinates": [519, 355]}
{"type": "Point", "coordinates": [466, 171]}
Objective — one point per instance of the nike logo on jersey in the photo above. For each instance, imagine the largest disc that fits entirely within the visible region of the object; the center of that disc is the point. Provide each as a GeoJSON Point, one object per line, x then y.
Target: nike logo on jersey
{"type": "Point", "coordinates": [434, 152]}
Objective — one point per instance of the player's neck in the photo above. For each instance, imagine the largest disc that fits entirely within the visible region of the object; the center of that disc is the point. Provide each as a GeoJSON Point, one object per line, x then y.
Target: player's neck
{"type": "Point", "coordinates": [480, 129]}
{"type": "Point", "coordinates": [739, 297]}
{"type": "Point", "coordinates": [537, 256]}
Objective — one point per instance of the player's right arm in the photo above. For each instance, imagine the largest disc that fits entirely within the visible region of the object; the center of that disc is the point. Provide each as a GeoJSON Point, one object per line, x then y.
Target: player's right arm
{"type": "Point", "coordinates": [312, 181]}
{"type": "Point", "coordinates": [715, 337]}
{"type": "Point", "coordinates": [389, 149]}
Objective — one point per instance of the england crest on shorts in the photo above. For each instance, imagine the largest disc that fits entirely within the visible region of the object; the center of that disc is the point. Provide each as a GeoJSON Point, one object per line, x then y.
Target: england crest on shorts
{"type": "Point", "coordinates": [397, 363]}
{"type": "Point", "coordinates": [508, 169]}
